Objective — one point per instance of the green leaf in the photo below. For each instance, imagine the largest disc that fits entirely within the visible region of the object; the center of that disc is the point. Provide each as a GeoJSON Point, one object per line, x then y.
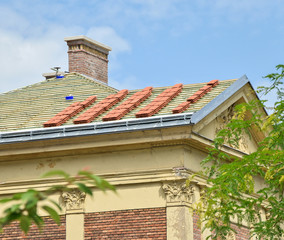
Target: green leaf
{"type": "Point", "coordinates": [56, 173]}
{"type": "Point", "coordinates": [17, 196]}
{"type": "Point", "coordinates": [31, 203]}
{"type": "Point", "coordinates": [15, 207]}
{"type": "Point", "coordinates": [84, 188]}
{"type": "Point", "coordinates": [52, 213]}
{"type": "Point", "coordinates": [25, 223]}
{"type": "Point", "coordinates": [56, 204]}
{"type": "Point", "coordinates": [107, 185]}
{"type": "Point", "coordinates": [36, 218]}
{"type": "Point", "coordinates": [281, 180]}
{"type": "Point", "coordinates": [30, 194]}
{"type": "Point", "coordinates": [91, 176]}
{"type": "Point", "coordinates": [100, 183]}
{"type": "Point", "coordinates": [5, 200]}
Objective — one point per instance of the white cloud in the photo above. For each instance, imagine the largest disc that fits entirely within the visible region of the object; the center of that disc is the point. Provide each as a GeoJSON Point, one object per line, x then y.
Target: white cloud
{"type": "Point", "coordinates": [29, 49]}
{"type": "Point", "coordinates": [23, 59]}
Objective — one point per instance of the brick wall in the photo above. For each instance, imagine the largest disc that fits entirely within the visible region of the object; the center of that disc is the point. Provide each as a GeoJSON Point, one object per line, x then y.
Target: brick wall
{"type": "Point", "coordinates": [88, 63]}
{"type": "Point", "coordinates": [140, 224]}
{"type": "Point", "coordinates": [196, 227]}
{"type": "Point", "coordinates": [242, 233]}
{"type": "Point", "coordinates": [50, 231]}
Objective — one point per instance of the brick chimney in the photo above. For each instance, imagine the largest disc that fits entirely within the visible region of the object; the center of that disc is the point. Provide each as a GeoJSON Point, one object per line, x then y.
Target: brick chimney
{"type": "Point", "coordinates": [88, 57]}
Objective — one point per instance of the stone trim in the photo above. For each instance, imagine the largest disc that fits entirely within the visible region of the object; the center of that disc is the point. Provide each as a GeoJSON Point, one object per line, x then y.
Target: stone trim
{"type": "Point", "coordinates": [178, 193]}
{"type": "Point", "coordinates": [74, 200]}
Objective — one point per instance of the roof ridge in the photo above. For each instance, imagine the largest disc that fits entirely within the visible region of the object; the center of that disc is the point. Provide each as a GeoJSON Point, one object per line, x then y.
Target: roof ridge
{"type": "Point", "coordinates": [83, 77]}
{"type": "Point", "coordinates": [91, 80]}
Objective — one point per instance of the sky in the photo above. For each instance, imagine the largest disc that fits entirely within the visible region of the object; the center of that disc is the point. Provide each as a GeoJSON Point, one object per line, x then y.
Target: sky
{"type": "Point", "coordinates": [155, 42]}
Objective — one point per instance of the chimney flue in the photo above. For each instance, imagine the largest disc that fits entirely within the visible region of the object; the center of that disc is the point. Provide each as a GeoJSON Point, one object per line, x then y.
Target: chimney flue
{"type": "Point", "coordinates": [88, 57]}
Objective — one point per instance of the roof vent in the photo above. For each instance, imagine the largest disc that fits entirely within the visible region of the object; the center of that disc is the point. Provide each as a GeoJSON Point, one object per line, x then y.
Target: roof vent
{"type": "Point", "coordinates": [55, 74]}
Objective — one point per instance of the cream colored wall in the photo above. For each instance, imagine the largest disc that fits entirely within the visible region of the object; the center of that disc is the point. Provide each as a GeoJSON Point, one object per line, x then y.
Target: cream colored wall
{"type": "Point", "coordinates": [128, 197]}
{"type": "Point", "coordinates": [247, 143]}
{"type": "Point", "coordinates": [101, 163]}
{"type": "Point", "coordinates": [208, 126]}
{"type": "Point", "coordinates": [193, 158]}
{"type": "Point", "coordinates": [137, 170]}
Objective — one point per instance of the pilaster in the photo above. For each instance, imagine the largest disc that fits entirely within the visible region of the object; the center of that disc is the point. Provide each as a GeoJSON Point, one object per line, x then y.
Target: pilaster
{"type": "Point", "coordinates": [74, 205]}
{"type": "Point", "coordinates": [179, 219]}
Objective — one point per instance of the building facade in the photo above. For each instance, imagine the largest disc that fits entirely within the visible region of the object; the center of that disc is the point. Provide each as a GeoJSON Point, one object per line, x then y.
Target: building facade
{"type": "Point", "coordinates": [145, 142]}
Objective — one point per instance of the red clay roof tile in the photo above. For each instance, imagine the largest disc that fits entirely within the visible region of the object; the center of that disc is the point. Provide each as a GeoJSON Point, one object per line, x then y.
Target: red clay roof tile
{"type": "Point", "coordinates": [160, 101]}
{"type": "Point", "coordinates": [213, 83]}
{"type": "Point", "coordinates": [69, 112]}
{"type": "Point", "coordinates": [196, 96]}
{"type": "Point", "coordinates": [128, 105]}
{"type": "Point", "coordinates": [101, 107]}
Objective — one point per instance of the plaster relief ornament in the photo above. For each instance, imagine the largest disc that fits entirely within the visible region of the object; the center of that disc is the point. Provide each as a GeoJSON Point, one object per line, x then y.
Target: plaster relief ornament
{"type": "Point", "coordinates": [231, 236]}
{"type": "Point", "coordinates": [74, 199]}
{"type": "Point", "coordinates": [178, 192]}
{"type": "Point", "coordinates": [223, 119]}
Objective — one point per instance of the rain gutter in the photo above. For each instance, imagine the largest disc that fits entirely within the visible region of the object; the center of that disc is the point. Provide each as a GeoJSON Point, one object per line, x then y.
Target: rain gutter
{"type": "Point", "coordinates": [119, 126]}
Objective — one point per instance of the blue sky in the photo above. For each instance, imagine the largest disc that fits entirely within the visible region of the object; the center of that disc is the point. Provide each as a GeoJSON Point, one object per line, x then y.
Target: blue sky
{"type": "Point", "coordinates": [155, 43]}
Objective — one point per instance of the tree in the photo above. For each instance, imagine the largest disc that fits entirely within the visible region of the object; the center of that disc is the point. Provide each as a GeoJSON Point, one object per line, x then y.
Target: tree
{"type": "Point", "coordinates": [232, 193]}
{"type": "Point", "coordinates": [24, 207]}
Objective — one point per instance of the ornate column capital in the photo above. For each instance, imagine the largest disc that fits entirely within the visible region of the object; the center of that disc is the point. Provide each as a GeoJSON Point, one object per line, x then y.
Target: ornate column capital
{"type": "Point", "coordinates": [178, 193]}
{"type": "Point", "coordinates": [73, 200]}
{"type": "Point", "coordinates": [231, 236]}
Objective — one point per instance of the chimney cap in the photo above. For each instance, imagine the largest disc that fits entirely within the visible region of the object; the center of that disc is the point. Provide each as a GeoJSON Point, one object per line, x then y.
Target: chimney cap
{"type": "Point", "coordinates": [89, 40]}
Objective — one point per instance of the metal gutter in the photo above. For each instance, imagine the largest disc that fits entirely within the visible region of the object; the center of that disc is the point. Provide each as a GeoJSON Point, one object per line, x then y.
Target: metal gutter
{"type": "Point", "coordinates": [118, 126]}
{"type": "Point", "coordinates": [220, 99]}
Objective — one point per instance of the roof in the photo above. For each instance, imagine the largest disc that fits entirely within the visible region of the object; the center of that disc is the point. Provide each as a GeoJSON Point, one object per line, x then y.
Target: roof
{"type": "Point", "coordinates": [32, 106]}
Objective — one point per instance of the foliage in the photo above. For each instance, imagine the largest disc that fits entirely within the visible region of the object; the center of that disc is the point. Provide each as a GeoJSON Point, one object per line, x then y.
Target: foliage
{"type": "Point", "coordinates": [24, 207]}
{"type": "Point", "coordinates": [232, 193]}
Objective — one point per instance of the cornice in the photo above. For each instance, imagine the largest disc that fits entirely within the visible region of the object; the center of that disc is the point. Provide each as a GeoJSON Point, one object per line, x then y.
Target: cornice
{"type": "Point", "coordinates": [116, 179]}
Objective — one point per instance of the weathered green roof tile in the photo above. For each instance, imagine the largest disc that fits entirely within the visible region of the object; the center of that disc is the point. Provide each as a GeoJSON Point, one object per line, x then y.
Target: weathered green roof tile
{"type": "Point", "coordinates": [31, 106]}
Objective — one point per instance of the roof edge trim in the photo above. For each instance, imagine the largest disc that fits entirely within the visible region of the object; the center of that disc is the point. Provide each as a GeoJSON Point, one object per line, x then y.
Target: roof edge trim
{"type": "Point", "coordinates": [221, 98]}
{"type": "Point", "coordinates": [117, 126]}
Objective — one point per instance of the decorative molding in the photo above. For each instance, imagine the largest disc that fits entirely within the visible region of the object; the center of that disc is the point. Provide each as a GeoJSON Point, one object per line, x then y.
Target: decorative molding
{"type": "Point", "coordinates": [223, 119]}
{"type": "Point", "coordinates": [178, 193]}
{"type": "Point", "coordinates": [171, 143]}
{"type": "Point", "coordinates": [73, 200]}
{"type": "Point", "coordinates": [231, 236]}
